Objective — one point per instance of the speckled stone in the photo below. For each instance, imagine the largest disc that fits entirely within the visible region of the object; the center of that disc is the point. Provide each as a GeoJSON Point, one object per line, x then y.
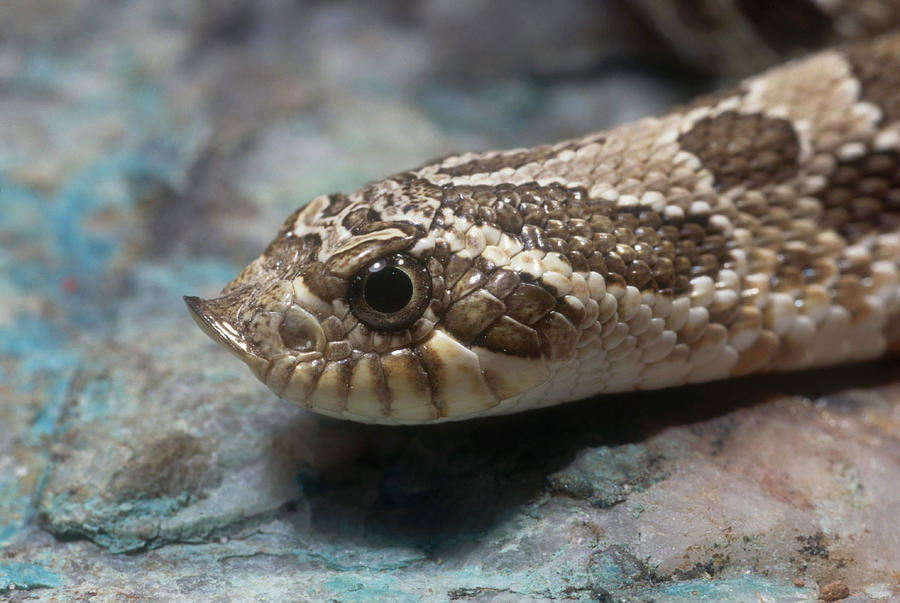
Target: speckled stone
{"type": "Point", "coordinates": [148, 149]}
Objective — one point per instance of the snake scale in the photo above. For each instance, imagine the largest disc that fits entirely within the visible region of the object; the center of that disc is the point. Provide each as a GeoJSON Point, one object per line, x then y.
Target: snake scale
{"type": "Point", "coordinates": [755, 229]}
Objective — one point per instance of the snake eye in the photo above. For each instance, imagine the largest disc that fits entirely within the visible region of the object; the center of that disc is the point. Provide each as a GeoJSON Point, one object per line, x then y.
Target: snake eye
{"type": "Point", "coordinates": [390, 294]}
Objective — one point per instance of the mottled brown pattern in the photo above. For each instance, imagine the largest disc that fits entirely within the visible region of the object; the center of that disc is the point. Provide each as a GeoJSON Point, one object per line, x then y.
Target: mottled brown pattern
{"type": "Point", "coordinates": [359, 217]}
{"type": "Point", "coordinates": [877, 65]}
{"type": "Point", "coordinates": [744, 149]}
{"type": "Point", "coordinates": [633, 246]}
{"type": "Point", "coordinates": [499, 161]}
{"type": "Point", "coordinates": [336, 204]}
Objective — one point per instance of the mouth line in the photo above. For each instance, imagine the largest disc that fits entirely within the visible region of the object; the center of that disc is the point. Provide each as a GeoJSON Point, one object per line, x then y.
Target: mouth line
{"type": "Point", "coordinates": [299, 357]}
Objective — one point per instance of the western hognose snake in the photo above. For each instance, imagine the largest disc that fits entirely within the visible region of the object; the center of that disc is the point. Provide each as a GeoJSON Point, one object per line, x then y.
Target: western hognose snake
{"type": "Point", "coordinates": [756, 229]}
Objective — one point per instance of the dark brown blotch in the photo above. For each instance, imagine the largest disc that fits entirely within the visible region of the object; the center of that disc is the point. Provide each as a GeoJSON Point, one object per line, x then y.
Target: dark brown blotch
{"type": "Point", "coordinates": [543, 211]}
{"type": "Point", "coordinates": [336, 204]}
{"type": "Point", "coordinates": [863, 196]}
{"type": "Point", "coordinates": [499, 161]}
{"type": "Point", "coordinates": [754, 150]}
{"type": "Point", "coordinates": [358, 218]}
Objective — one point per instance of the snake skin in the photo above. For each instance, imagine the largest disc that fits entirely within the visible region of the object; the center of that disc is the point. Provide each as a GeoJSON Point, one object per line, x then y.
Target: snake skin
{"type": "Point", "coordinates": [757, 229]}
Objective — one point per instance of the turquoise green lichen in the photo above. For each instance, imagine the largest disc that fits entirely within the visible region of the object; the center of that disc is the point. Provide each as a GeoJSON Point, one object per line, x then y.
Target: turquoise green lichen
{"type": "Point", "coordinates": [27, 576]}
{"type": "Point", "coordinates": [749, 588]}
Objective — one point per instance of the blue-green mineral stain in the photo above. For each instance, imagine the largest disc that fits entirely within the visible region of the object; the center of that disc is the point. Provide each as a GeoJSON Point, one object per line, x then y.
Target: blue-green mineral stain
{"type": "Point", "coordinates": [747, 588]}
{"type": "Point", "coordinates": [25, 576]}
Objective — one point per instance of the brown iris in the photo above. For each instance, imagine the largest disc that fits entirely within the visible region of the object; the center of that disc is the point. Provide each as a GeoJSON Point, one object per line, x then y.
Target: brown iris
{"type": "Point", "coordinates": [390, 294]}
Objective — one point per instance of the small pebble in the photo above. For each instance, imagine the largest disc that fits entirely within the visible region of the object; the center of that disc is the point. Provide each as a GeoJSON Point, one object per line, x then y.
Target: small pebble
{"type": "Point", "coordinates": [835, 591]}
{"type": "Point", "coordinates": [798, 582]}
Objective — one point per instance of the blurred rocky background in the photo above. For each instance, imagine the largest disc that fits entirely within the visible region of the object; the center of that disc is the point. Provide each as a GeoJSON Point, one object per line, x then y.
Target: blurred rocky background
{"type": "Point", "coordinates": [150, 149]}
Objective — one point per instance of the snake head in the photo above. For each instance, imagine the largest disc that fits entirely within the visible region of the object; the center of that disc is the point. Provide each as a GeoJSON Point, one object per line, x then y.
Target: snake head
{"type": "Point", "coordinates": [395, 305]}
{"type": "Point", "coordinates": [338, 314]}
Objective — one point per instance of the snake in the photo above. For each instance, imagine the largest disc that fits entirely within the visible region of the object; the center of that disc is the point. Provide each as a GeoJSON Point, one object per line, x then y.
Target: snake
{"type": "Point", "coordinates": [754, 229]}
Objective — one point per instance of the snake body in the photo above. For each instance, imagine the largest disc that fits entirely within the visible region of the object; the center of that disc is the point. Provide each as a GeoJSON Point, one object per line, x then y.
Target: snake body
{"type": "Point", "coordinates": [756, 229]}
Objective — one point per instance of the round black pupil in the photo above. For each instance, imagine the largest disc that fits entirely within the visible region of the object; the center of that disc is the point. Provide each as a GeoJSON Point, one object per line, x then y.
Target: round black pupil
{"type": "Point", "coordinates": [388, 290]}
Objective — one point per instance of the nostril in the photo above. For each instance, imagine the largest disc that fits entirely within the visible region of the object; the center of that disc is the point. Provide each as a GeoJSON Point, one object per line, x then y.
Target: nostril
{"type": "Point", "coordinates": [300, 331]}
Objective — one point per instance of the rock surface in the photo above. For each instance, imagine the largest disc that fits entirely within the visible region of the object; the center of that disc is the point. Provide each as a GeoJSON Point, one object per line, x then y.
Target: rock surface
{"type": "Point", "coordinates": [150, 149]}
